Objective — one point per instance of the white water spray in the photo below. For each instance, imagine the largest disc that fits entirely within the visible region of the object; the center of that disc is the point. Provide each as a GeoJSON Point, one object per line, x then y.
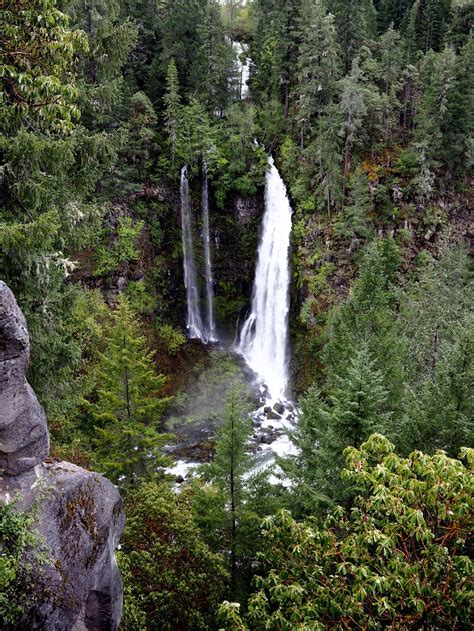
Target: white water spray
{"type": "Point", "coordinates": [193, 318]}
{"type": "Point", "coordinates": [264, 336]}
{"type": "Point", "coordinates": [211, 323]}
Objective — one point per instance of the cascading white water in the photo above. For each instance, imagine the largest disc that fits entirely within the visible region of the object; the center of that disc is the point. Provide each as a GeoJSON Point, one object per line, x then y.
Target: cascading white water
{"type": "Point", "coordinates": [210, 331]}
{"type": "Point", "coordinates": [193, 318]}
{"type": "Point", "coordinates": [243, 68]}
{"type": "Point", "coordinates": [264, 336]}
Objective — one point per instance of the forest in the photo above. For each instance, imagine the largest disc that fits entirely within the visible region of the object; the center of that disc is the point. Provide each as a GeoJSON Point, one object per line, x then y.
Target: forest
{"type": "Point", "coordinates": [240, 234]}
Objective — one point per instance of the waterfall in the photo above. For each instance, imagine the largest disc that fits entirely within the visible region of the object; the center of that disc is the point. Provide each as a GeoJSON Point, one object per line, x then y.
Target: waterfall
{"type": "Point", "coordinates": [243, 69]}
{"type": "Point", "coordinates": [210, 323]}
{"type": "Point", "coordinates": [193, 317]}
{"type": "Point", "coordinates": [264, 336]}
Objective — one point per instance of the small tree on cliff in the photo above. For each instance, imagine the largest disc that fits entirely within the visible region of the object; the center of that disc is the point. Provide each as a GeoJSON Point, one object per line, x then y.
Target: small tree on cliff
{"type": "Point", "coordinates": [128, 407]}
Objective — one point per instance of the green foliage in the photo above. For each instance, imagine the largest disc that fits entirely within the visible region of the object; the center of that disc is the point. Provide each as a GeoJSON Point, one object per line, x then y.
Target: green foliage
{"type": "Point", "coordinates": [398, 558]}
{"type": "Point", "coordinates": [355, 408]}
{"type": "Point", "coordinates": [368, 318]}
{"type": "Point", "coordinates": [172, 339]}
{"type": "Point", "coordinates": [172, 579]}
{"type": "Point", "coordinates": [37, 65]}
{"type": "Point", "coordinates": [122, 249]}
{"type": "Point", "coordinates": [127, 407]}
{"type": "Point", "coordinates": [20, 562]}
{"type": "Point", "coordinates": [223, 505]}
{"type": "Point", "coordinates": [141, 297]}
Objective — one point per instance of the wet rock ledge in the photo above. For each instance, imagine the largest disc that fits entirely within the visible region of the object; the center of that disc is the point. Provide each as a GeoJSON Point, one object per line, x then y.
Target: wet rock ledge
{"type": "Point", "coordinates": [79, 513]}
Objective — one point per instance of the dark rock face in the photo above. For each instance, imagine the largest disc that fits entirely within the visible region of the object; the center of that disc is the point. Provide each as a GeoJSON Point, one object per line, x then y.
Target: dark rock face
{"type": "Point", "coordinates": [80, 515]}
{"type": "Point", "coordinates": [24, 440]}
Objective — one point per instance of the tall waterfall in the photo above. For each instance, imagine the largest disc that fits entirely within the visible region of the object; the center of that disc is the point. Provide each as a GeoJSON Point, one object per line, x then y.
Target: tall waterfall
{"type": "Point", "coordinates": [264, 336]}
{"type": "Point", "coordinates": [210, 332]}
{"type": "Point", "coordinates": [193, 318]}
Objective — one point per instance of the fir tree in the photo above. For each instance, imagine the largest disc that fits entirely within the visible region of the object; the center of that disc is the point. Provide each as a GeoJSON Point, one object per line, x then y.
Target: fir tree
{"type": "Point", "coordinates": [432, 115]}
{"type": "Point", "coordinates": [355, 222]}
{"type": "Point", "coordinates": [128, 409]}
{"type": "Point", "coordinates": [218, 59]}
{"type": "Point", "coordinates": [172, 103]}
{"type": "Point", "coordinates": [369, 317]}
{"type": "Point", "coordinates": [353, 110]}
{"type": "Point", "coordinates": [355, 19]}
{"type": "Point", "coordinates": [356, 407]}
{"type": "Point", "coordinates": [230, 464]}
{"type": "Point", "coordinates": [318, 65]}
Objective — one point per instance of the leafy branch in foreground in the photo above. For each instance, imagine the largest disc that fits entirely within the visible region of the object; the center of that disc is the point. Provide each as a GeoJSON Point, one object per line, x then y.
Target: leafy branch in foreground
{"type": "Point", "coordinates": [398, 558]}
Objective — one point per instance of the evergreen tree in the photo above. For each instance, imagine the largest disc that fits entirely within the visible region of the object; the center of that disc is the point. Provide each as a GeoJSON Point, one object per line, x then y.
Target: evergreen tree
{"type": "Point", "coordinates": [274, 51]}
{"type": "Point", "coordinates": [355, 223]}
{"type": "Point", "coordinates": [392, 12]}
{"type": "Point", "coordinates": [432, 115]}
{"type": "Point", "coordinates": [355, 20]}
{"type": "Point", "coordinates": [172, 103]}
{"type": "Point", "coordinates": [369, 317]}
{"type": "Point", "coordinates": [427, 24]}
{"type": "Point", "coordinates": [218, 59]}
{"type": "Point", "coordinates": [230, 464]}
{"type": "Point", "coordinates": [318, 64]}
{"type": "Point", "coordinates": [324, 157]}
{"type": "Point", "coordinates": [49, 170]}
{"type": "Point", "coordinates": [353, 110]}
{"type": "Point", "coordinates": [356, 407]}
{"type": "Point", "coordinates": [128, 408]}
{"type": "Point", "coordinates": [111, 39]}
{"type": "Point", "coordinates": [456, 151]}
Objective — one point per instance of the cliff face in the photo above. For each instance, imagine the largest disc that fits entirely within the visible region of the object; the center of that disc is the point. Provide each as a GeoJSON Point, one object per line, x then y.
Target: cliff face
{"type": "Point", "coordinates": [79, 516]}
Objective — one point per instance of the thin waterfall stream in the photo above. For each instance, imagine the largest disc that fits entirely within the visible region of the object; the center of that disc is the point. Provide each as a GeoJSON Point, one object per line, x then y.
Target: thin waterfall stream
{"type": "Point", "coordinates": [194, 322]}
{"type": "Point", "coordinates": [210, 333]}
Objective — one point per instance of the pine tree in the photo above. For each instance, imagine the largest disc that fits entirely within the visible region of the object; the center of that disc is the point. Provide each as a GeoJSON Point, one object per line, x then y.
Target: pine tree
{"type": "Point", "coordinates": [353, 110]}
{"type": "Point", "coordinates": [128, 408]}
{"type": "Point", "coordinates": [217, 59]}
{"type": "Point", "coordinates": [172, 103]}
{"type": "Point", "coordinates": [432, 115]}
{"type": "Point", "coordinates": [356, 407]}
{"type": "Point", "coordinates": [318, 65]}
{"type": "Point", "coordinates": [230, 464]}
{"type": "Point", "coordinates": [355, 222]}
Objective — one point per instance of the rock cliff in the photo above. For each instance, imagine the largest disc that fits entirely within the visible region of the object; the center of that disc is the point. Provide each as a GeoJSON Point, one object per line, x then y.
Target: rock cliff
{"type": "Point", "coordinates": [79, 513]}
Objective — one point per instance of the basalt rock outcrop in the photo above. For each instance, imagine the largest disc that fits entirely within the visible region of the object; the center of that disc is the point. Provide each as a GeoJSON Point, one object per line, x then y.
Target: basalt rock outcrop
{"type": "Point", "coordinates": [79, 513]}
